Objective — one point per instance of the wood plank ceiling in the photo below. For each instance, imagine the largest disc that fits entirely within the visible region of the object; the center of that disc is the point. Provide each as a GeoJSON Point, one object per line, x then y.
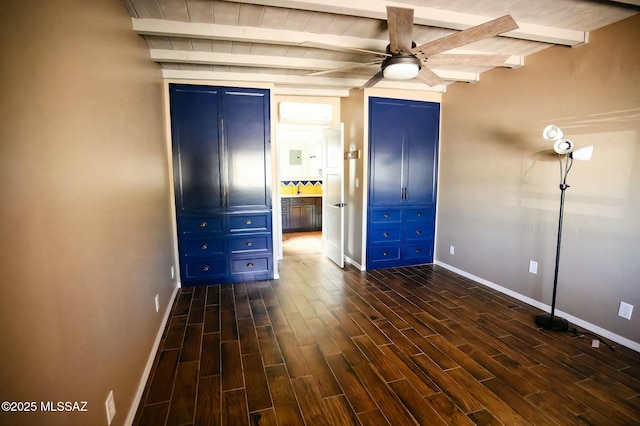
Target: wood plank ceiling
{"type": "Point", "coordinates": [283, 41]}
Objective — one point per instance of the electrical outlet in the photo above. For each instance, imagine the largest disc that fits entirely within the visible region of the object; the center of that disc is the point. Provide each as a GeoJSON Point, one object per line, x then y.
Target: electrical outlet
{"type": "Point", "coordinates": [533, 267]}
{"type": "Point", "coordinates": [110, 404]}
{"type": "Point", "coordinates": [173, 272]}
{"type": "Point", "coordinates": [157, 300]}
{"type": "Point", "coordinates": [452, 250]}
{"type": "Point", "coordinates": [625, 310]}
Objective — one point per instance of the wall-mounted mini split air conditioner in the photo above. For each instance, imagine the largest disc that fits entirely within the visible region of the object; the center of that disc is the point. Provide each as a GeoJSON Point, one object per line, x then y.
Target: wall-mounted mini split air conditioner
{"type": "Point", "coordinates": [305, 113]}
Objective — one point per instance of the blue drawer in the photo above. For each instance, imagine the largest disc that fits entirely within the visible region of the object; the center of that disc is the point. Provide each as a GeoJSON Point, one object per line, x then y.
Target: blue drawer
{"type": "Point", "coordinates": [384, 216]}
{"type": "Point", "coordinates": [418, 253]}
{"type": "Point", "coordinates": [250, 243]}
{"type": "Point", "coordinates": [202, 246]}
{"type": "Point", "coordinates": [418, 231]}
{"type": "Point", "coordinates": [201, 225]}
{"type": "Point", "coordinates": [250, 265]}
{"type": "Point", "coordinates": [385, 234]}
{"type": "Point", "coordinates": [418, 215]}
{"type": "Point", "coordinates": [250, 222]}
{"type": "Point", "coordinates": [384, 254]}
{"type": "Point", "coordinates": [210, 268]}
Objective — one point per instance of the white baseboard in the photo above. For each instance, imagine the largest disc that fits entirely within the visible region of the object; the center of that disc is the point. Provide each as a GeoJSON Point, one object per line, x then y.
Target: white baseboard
{"type": "Point", "coordinates": [354, 263]}
{"type": "Point", "coordinates": [537, 304]}
{"type": "Point", "coordinates": [152, 356]}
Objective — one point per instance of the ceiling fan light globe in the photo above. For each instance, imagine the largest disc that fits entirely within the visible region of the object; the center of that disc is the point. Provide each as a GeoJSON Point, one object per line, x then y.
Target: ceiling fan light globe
{"type": "Point", "coordinates": [401, 71]}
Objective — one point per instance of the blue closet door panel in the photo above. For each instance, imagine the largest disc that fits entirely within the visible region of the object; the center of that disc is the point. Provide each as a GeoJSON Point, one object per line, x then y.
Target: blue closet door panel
{"type": "Point", "coordinates": [195, 134]}
{"type": "Point", "coordinates": [246, 143]}
{"type": "Point", "coordinates": [385, 156]}
{"type": "Point", "coordinates": [422, 126]}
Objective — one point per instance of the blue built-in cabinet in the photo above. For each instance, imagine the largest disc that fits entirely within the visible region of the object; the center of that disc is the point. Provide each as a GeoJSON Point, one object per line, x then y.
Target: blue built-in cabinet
{"type": "Point", "coordinates": [403, 170]}
{"type": "Point", "coordinates": [221, 164]}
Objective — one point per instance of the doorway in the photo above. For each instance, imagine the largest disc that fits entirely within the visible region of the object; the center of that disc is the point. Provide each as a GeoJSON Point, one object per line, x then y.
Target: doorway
{"type": "Point", "coordinates": [302, 193]}
{"type": "Point", "coordinates": [300, 188]}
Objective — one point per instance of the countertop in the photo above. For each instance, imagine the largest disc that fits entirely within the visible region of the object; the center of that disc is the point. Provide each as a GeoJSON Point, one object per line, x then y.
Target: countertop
{"type": "Point", "coordinates": [300, 195]}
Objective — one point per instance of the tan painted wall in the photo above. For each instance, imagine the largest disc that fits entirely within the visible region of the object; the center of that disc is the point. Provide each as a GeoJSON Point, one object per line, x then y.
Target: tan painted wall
{"type": "Point", "coordinates": [499, 195]}
{"type": "Point", "coordinates": [353, 116]}
{"type": "Point", "coordinates": [84, 212]}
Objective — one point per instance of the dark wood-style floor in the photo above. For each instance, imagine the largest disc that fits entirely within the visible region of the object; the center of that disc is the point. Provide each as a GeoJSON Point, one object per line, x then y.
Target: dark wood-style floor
{"type": "Point", "coordinates": [419, 345]}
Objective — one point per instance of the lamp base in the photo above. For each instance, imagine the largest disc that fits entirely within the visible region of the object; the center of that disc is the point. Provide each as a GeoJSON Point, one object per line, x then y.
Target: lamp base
{"type": "Point", "coordinates": [555, 324]}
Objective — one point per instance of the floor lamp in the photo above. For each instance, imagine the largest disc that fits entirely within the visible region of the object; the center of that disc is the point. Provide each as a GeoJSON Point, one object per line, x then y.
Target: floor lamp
{"type": "Point", "coordinates": [566, 154]}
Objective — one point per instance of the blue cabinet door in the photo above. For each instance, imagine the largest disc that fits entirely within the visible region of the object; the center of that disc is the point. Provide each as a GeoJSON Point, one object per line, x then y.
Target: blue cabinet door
{"type": "Point", "coordinates": [403, 151]}
{"type": "Point", "coordinates": [386, 123]}
{"type": "Point", "coordinates": [246, 146]}
{"type": "Point", "coordinates": [422, 129]}
{"type": "Point", "coordinates": [195, 134]}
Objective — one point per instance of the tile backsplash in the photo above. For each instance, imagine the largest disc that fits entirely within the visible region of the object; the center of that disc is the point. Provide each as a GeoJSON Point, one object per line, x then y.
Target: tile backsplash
{"type": "Point", "coordinates": [301, 187]}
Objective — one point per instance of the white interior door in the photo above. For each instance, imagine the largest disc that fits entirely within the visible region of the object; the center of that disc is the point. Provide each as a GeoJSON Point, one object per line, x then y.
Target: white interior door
{"type": "Point", "coordinates": [333, 194]}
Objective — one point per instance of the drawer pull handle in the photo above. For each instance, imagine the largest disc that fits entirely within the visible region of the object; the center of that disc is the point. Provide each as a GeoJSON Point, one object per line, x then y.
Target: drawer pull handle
{"type": "Point", "coordinates": [419, 214]}
{"type": "Point", "coordinates": [386, 215]}
{"type": "Point", "coordinates": [204, 247]}
{"type": "Point", "coordinates": [249, 265]}
{"type": "Point", "coordinates": [205, 268]}
{"type": "Point", "coordinates": [385, 253]}
{"type": "Point", "coordinates": [248, 222]}
{"type": "Point", "coordinates": [249, 244]}
{"type": "Point", "coordinates": [386, 234]}
{"type": "Point", "coordinates": [418, 232]}
{"type": "Point", "coordinates": [203, 224]}
{"type": "Point", "coordinates": [418, 250]}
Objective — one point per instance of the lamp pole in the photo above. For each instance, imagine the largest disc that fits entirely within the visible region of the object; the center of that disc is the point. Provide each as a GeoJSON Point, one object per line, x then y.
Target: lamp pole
{"type": "Point", "coordinates": [550, 321]}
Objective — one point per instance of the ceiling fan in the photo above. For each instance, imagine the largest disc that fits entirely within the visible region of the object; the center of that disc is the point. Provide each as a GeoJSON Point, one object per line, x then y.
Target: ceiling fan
{"type": "Point", "coordinates": [404, 60]}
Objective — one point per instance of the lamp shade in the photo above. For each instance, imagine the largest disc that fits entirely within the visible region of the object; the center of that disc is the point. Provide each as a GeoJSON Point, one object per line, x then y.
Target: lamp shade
{"type": "Point", "coordinates": [563, 146]}
{"type": "Point", "coordinates": [552, 133]}
{"type": "Point", "coordinates": [583, 154]}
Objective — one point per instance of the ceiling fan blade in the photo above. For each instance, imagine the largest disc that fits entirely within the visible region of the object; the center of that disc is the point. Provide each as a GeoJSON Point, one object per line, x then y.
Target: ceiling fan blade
{"type": "Point", "coordinates": [400, 23]}
{"type": "Point", "coordinates": [465, 59]}
{"type": "Point", "coordinates": [342, 48]}
{"type": "Point", "coordinates": [470, 35]}
{"type": "Point", "coordinates": [348, 67]}
{"type": "Point", "coordinates": [373, 80]}
{"type": "Point", "coordinates": [429, 77]}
